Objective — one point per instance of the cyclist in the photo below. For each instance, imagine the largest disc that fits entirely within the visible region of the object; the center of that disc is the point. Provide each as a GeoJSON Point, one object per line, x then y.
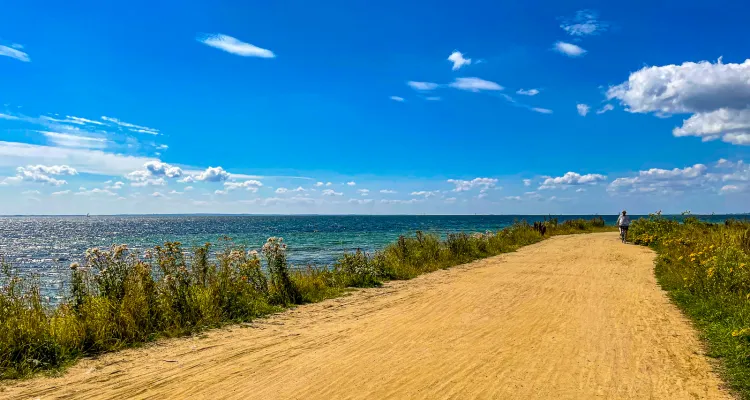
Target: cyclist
{"type": "Point", "coordinates": [623, 222]}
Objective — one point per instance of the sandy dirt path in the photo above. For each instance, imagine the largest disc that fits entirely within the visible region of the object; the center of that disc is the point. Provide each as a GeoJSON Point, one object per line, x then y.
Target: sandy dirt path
{"type": "Point", "coordinates": [573, 317]}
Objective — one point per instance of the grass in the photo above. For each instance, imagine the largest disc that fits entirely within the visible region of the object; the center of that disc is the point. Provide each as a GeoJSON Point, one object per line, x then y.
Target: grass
{"type": "Point", "coordinates": [705, 268]}
{"type": "Point", "coordinates": [119, 298]}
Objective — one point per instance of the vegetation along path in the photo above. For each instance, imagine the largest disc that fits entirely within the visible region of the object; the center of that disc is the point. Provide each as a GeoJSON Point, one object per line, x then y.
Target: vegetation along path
{"type": "Point", "coordinates": [571, 317]}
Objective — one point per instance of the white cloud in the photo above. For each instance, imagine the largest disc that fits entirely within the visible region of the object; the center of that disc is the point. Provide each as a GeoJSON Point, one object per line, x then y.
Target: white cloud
{"type": "Point", "coordinates": [580, 190]}
{"type": "Point", "coordinates": [607, 107]}
{"type": "Point", "coordinates": [281, 190]}
{"type": "Point", "coordinates": [60, 193]}
{"type": "Point", "coordinates": [331, 192]}
{"type": "Point", "coordinates": [157, 194]}
{"type": "Point", "coordinates": [584, 23]}
{"type": "Point", "coordinates": [14, 53]}
{"type": "Point", "coordinates": [319, 184]}
{"type": "Point", "coordinates": [463, 185]}
{"type": "Point", "coordinates": [149, 182]}
{"type": "Point", "coordinates": [458, 60]}
{"type": "Point", "coordinates": [422, 86]}
{"type": "Point", "coordinates": [474, 84]}
{"type": "Point", "coordinates": [516, 198]}
{"type": "Point", "coordinates": [716, 94]}
{"type": "Point", "coordinates": [29, 192]}
{"type": "Point", "coordinates": [234, 46]}
{"type": "Point", "coordinates": [433, 98]}
{"type": "Point", "coordinates": [569, 49]}
{"type": "Point", "coordinates": [68, 140]}
{"type": "Point", "coordinates": [83, 160]}
{"type": "Point", "coordinates": [187, 188]}
{"type": "Point", "coordinates": [664, 181]}
{"type": "Point", "coordinates": [397, 98]}
{"type": "Point", "coordinates": [530, 92]}
{"type": "Point", "coordinates": [583, 109]}
{"type": "Point", "coordinates": [388, 191]}
{"type": "Point", "coordinates": [410, 201]}
{"type": "Point", "coordinates": [131, 127]}
{"type": "Point", "coordinates": [360, 201]}
{"type": "Point", "coordinates": [213, 174]}
{"type": "Point", "coordinates": [364, 192]}
{"type": "Point", "coordinates": [329, 183]}
{"type": "Point", "coordinates": [158, 168]}
{"type": "Point", "coordinates": [730, 189]}
{"type": "Point", "coordinates": [299, 189]}
{"type": "Point", "coordinates": [571, 179]}
{"type": "Point", "coordinates": [153, 174]}
{"type": "Point", "coordinates": [352, 183]}
{"type": "Point", "coordinates": [541, 110]}
{"type": "Point", "coordinates": [251, 185]}
{"type": "Point", "coordinates": [116, 186]}
{"type": "Point", "coordinates": [41, 174]}
{"type": "Point", "coordinates": [425, 194]}
{"type": "Point", "coordinates": [94, 192]}
{"type": "Point", "coordinates": [176, 192]}
{"type": "Point", "coordinates": [186, 179]}
{"type": "Point", "coordinates": [527, 182]}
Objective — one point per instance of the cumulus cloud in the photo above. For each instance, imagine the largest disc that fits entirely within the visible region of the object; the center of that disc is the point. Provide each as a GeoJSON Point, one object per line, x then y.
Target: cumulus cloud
{"type": "Point", "coordinates": [149, 182]}
{"type": "Point", "coordinates": [351, 183]}
{"type": "Point", "coordinates": [425, 194]}
{"type": "Point", "coordinates": [331, 192]}
{"type": "Point", "coordinates": [458, 60]}
{"type": "Point", "coordinates": [464, 185]}
{"type": "Point", "coordinates": [474, 84]}
{"type": "Point", "coordinates": [388, 191]}
{"type": "Point", "coordinates": [60, 193]}
{"type": "Point", "coordinates": [281, 190]}
{"type": "Point", "coordinates": [664, 180]}
{"type": "Point", "coordinates": [212, 174]}
{"type": "Point", "coordinates": [234, 46]}
{"type": "Point", "coordinates": [319, 184]}
{"type": "Point", "coordinates": [584, 23]}
{"type": "Point", "coordinates": [422, 86]}
{"type": "Point", "coordinates": [726, 189]}
{"type": "Point", "coordinates": [569, 49]}
{"type": "Point", "coordinates": [251, 185]}
{"type": "Point", "coordinates": [95, 192]}
{"type": "Point", "coordinates": [530, 92]}
{"type": "Point", "coordinates": [299, 189]}
{"type": "Point", "coordinates": [527, 182]}
{"type": "Point", "coordinates": [364, 192]}
{"type": "Point", "coordinates": [583, 109]}
{"type": "Point", "coordinates": [360, 201]}
{"type": "Point", "coordinates": [153, 174]}
{"type": "Point", "coordinates": [397, 98]}
{"type": "Point", "coordinates": [158, 168]}
{"type": "Point", "coordinates": [41, 174]}
{"type": "Point", "coordinates": [716, 94]}
{"type": "Point", "coordinates": [571, 179]}
{"type": "Point", "coordinates": [14, 53]}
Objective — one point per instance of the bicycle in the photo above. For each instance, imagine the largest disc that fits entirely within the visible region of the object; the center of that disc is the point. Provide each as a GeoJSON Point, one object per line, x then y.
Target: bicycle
{"type": "Point", "coordinates": [624, 234]}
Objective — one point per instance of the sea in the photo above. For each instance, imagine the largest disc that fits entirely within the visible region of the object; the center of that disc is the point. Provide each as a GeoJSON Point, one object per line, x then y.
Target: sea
{"type": "Point", "coordinates": [45, 246]}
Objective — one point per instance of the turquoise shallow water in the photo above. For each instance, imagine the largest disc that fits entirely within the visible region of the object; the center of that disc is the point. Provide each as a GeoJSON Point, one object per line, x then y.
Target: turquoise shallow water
{"type": "Point", "coordinates": [45, 246]}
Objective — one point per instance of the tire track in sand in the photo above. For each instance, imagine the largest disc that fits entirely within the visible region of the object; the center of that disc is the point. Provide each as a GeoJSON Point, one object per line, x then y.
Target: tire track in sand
{"type": "Point", "coordinates": [573, 317]}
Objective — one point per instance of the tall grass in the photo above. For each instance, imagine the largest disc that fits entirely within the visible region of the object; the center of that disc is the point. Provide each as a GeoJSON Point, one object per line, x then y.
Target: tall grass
{"type": "Point", "coordinates": [706, 270]}
{"type": "Point", "coordinates": [120, 298]}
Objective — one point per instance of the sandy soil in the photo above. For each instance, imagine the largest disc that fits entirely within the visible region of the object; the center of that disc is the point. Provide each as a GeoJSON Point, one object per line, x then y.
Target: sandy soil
{"type": "Point", "coordinates": [573, 317]}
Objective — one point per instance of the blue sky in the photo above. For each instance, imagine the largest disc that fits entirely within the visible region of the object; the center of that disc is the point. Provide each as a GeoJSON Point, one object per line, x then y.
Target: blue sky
{"type": "Point", "coordinates": [403, 107]}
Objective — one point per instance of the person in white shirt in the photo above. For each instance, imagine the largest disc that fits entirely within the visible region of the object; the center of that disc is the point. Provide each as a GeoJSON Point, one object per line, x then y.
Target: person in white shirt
{"type": "Point", "coordinates": [623, 222]}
